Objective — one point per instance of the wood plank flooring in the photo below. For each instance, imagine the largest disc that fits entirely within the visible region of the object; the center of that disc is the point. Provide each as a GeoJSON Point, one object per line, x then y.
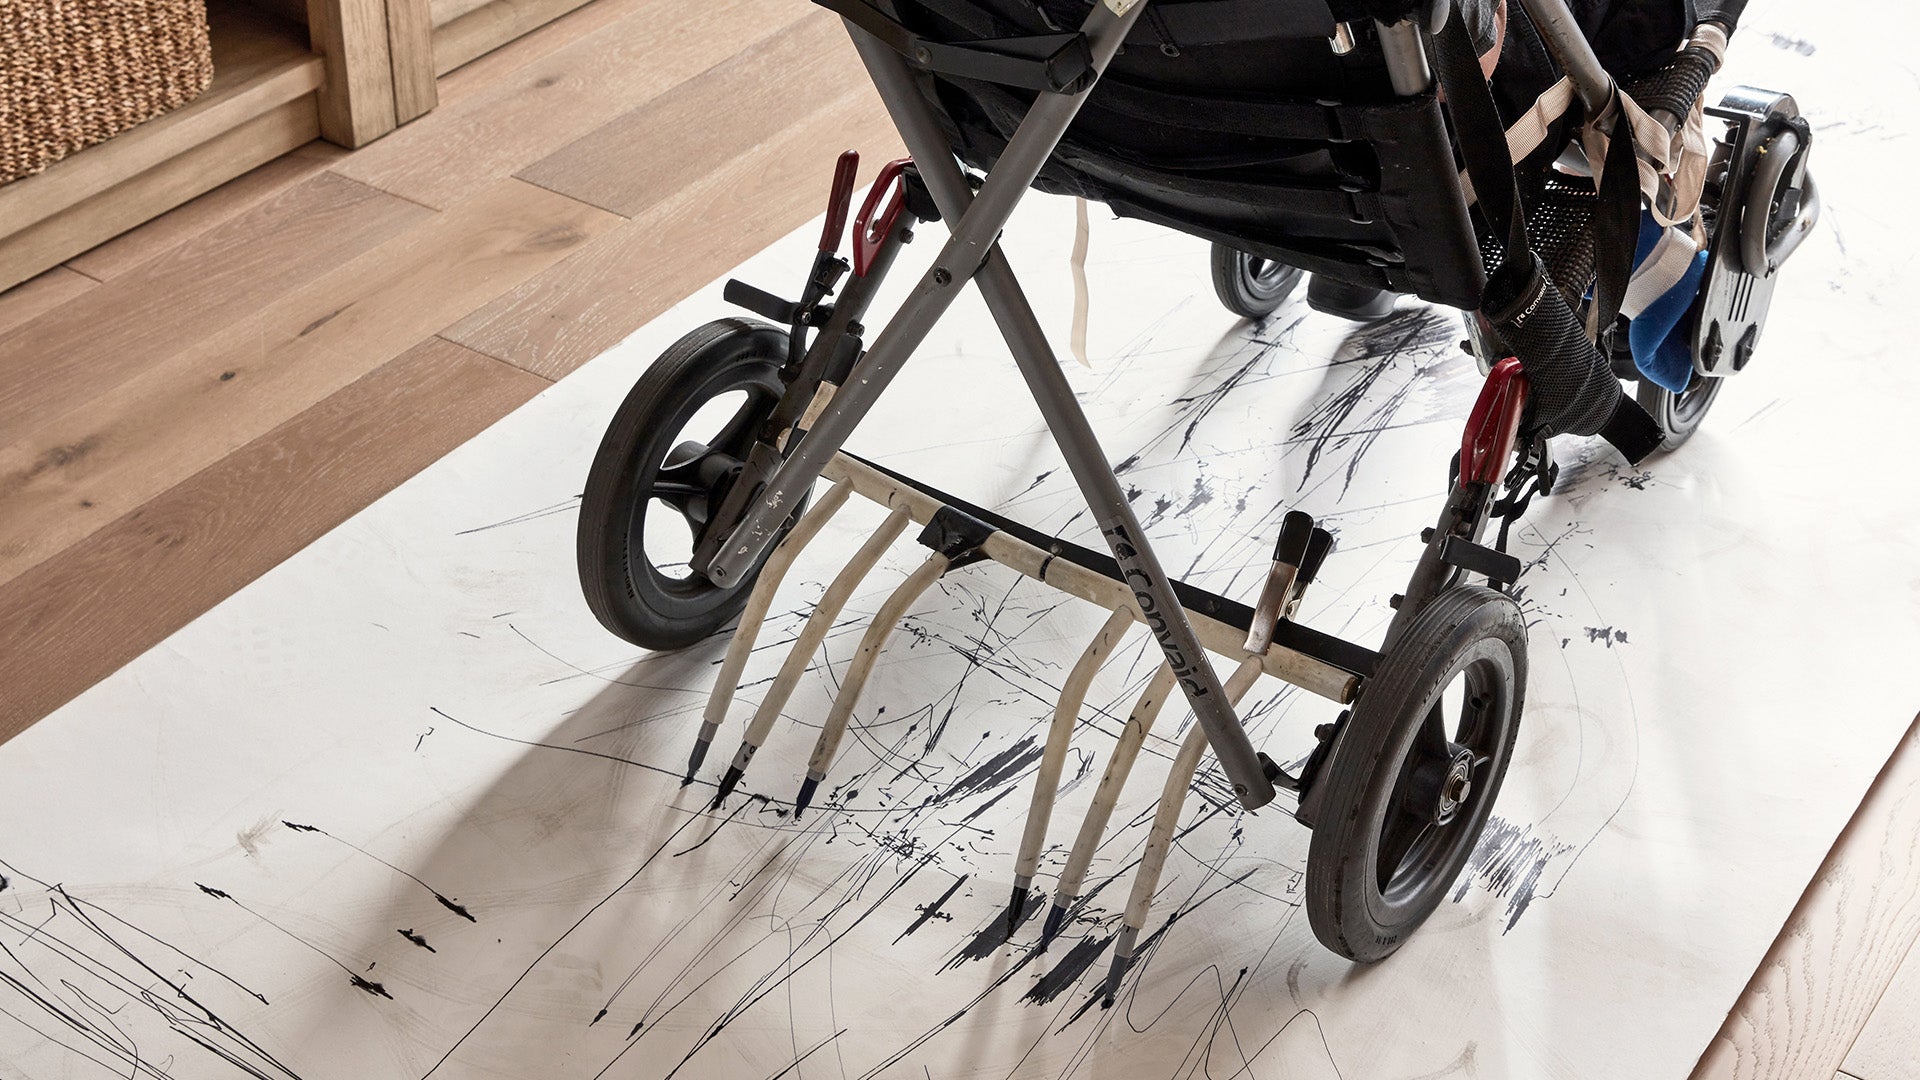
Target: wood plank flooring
{"type": "Point", "coordinates": [188, 405]}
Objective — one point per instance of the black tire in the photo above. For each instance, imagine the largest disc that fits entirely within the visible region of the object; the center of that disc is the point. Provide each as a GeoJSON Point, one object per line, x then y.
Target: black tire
{"type": "Point", "coordinates": [644, 462]}
{"type": "Point", "coordinates": [1677, 414]}
{"type": "Point", "coordinates": [1249, 286]}
{"type": "Point", "coordinates": [1384, 765]}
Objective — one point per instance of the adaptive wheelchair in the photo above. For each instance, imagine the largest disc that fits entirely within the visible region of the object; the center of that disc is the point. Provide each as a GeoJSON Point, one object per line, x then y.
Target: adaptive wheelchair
{"type": "Point", "coordinates": [1597, 223]}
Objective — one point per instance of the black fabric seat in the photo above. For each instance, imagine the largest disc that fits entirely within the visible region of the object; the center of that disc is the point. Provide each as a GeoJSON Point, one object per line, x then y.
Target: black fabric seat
{"type": "Point", "coordinates": [1234, 120]}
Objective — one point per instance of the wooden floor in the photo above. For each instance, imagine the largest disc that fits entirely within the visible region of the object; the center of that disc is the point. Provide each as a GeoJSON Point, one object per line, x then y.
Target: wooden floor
{"type": "Point", "coordinates": [186, 406]}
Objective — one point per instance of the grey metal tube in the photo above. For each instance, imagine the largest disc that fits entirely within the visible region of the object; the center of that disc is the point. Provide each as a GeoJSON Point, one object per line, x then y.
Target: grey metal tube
{"type": "Point", "coordinates": [1406, 57]}
{"type": "Point", "coordinates": [974, 235]}
{"type": "Point", "coordinates": [1570, 49]}
{"type": "Point", "coordinates": [1075, 436]}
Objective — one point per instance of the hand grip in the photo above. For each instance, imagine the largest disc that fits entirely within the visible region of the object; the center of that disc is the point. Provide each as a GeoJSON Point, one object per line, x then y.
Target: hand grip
{"type": "Point", "coordinates": [839, 200]}
{"type": "Point", "coordinates": [1296, 532]}
{"type": "Point", "coordinates": [1724, 12]}
{"type": "Point", "coordinates": [869, 231]}
{"type": "Point", "coordinates": [1318, 546]}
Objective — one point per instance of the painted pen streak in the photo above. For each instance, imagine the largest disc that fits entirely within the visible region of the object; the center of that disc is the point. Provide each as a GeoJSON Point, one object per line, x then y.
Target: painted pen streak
{"type": "Point", "coordinates": [368, 985]}
{"type": "Point", "coordinates": [1327, 426]}
{"type": "Point", "coordinates": [1509, 862]}
{"type": "Point", "coordinates": [933, 911]}
{"type": "Point", "coordinates": [445, 902]}
{"type": "Point", "coordinates": [531, 515]}
{"type": "Point", "coordinates": [631, 878]}
{"type": "Point", "coordinates": [928, 852]}
{"type": "Point", "coordinates": [93, 961]}
{"type": "Point", "coordinates": [817, 1047]}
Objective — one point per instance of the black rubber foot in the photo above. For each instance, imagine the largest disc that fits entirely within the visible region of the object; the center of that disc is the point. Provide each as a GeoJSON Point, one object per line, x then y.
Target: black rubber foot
{"type": "Point", "coordinates": [727, 784]}
{"type": "Point", "coordinates": [1111, 988]}
{"type": "Point", "coordinates": [1356, 302]}
{"type": "Point", "coordinates": [805, 798]}
{"type": "Point", "coordinates": [1056, 922]}
{"type": "Point", "coordinates": [694, 760]}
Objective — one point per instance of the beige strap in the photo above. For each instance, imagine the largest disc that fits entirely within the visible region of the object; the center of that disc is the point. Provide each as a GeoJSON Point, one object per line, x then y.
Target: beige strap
{"type": "Point", "coordinates": [1665, 265]}
{"type": "Point", "coordinates": [1077, 338]}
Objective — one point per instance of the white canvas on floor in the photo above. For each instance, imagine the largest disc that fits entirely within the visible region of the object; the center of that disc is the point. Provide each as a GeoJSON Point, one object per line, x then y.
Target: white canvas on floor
{"type": "Point", "coordinates": [401, 808]}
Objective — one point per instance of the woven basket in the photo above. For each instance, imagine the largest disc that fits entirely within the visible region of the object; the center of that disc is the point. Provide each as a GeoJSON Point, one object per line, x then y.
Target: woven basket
{"type": "Point", "coordinates": [77, 72]}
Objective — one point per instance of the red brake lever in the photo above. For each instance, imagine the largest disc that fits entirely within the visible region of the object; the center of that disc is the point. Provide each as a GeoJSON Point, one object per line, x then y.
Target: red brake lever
{"type": "Point", "coordinates": [1494, 424]}
{"type": "Point", "coordinates": [838, 200]}
{"type": "Point", "coordinates": [869, 233]}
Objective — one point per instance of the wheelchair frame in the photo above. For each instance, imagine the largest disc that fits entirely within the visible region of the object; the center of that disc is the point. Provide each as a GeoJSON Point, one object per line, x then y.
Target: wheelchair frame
{"type": "Point", "coordinates": [750, 526]}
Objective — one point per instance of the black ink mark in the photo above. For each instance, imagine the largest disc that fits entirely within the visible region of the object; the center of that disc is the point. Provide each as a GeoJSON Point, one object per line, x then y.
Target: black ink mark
{"type": "Point", "coordinates": [417, 939]}
{"type": "Point", "coordinates": [1065, 974]}
{"type": "Point", "coordinates": [531, 515]}
{"type": "Point", "coordinates": [369, 987]}
{"type": "Point", "coordinates": [450, 905]}
{"type": "Point", "coordinates": [932, 911]}
{"type": "Point", "coordinates": [1508, 862]}
{"type": "Point", "coordinates": [111, 998]}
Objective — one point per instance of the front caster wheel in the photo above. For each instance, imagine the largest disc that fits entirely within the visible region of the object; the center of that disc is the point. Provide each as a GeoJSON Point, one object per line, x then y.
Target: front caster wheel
{"type": "Point", "coordinates": [1679, 415]}
{"type": "Point", "coordinates": [1250, 286]}
{"type": "Point", "coordinates": [667, 460]}
{"type": "Point", "coordinates": [1415, 772]}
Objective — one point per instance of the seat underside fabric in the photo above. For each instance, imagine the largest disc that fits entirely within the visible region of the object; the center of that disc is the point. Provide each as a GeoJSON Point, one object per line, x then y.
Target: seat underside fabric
{"type": "Point", "coordinates": [1235, 121]}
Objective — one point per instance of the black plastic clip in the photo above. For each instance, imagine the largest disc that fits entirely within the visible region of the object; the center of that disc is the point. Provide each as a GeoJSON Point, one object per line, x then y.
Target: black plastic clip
{"type": "Point", "coordinates": [1278, 776]}
{"type": "Point", "coordinates": [1499, 567]}
{"type": "Point", "coordinates": [956, 535]}
{"type": "Point", "coordinates": [1534, 474]}
{"type": "Point", "coordinates": [760, 302]}
{"type": "Point", "coordinates": [919, 199]}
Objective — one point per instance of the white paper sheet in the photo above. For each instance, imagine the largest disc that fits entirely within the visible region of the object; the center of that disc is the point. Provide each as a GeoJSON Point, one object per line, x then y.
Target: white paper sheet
{"type": "Point", "coordinates": [401, 807]}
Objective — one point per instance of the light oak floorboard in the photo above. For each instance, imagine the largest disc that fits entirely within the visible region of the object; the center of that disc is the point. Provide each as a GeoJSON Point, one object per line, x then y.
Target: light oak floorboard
{"type": "Point", "coordinates": [88, 223]}
{"type": "Point", "coordinates": [40, 294]}
{"type": "Point", "coordinates": [1839, 948]}
{"type": "Point", "coordinates": [222, 204]}
{"type": "Point", "coordinates": [484, 74]}
{"type": "Point", "coordinates": [470, 141]}
{"type": "Point", "coordinates": [82, 349]}
{"type": "Point", "coordinates": [69, 475]}
{"type": "Point", "coordinates": [585, 305]}
{"type": "Point", "coordinates": [75, 619]}
{"type": "Point", "coordinates": [621, 166]}
{"type": "Point", "coordinates": [1889, 1046]}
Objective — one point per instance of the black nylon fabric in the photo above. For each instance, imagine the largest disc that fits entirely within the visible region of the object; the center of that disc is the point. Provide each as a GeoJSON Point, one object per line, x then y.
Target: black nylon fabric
{"type": "Point", "coordinates": [1175, 130]}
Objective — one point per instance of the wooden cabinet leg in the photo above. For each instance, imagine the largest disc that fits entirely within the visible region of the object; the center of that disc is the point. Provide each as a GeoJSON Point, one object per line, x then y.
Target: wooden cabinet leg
{"type": "Point", "coordinates": [357, 102]}
{"type": "Point", "coordinates": [410, 40]}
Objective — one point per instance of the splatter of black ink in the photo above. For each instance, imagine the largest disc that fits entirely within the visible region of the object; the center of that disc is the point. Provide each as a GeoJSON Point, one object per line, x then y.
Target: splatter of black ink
{"type": "Point", "coordinates": [1068, 971]}
{"type": "Point", "coordinates": [1509, 862]}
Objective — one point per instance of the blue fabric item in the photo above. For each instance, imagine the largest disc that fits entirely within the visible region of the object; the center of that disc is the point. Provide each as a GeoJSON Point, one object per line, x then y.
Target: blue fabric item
{"type": "Point", "coordinates": [1661, 354]}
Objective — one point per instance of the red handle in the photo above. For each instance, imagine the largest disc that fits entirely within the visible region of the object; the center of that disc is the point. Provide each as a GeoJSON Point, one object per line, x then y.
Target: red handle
{"type": "Point", "coordinates": [1494, 424]}
{"type": "Point", "coordinates": [869, 232]}
{"type": "Point", "coordinates": [839, 199]}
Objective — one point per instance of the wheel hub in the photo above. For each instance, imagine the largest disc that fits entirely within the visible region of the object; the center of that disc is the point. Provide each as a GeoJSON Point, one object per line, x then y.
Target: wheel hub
{"type": "Point", "coordinates": [1456, 788]}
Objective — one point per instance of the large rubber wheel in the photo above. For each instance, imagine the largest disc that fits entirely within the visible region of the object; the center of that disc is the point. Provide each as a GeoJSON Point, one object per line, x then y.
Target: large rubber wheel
{"type": "Point", "coordinates": [1250, 286]}
{"type": "Point", "coordinates": [1415, 772]}
{"type": "Point", "coordinates": [666, 462]}
{"type": "Point", "coordinates": [1678, 414]}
